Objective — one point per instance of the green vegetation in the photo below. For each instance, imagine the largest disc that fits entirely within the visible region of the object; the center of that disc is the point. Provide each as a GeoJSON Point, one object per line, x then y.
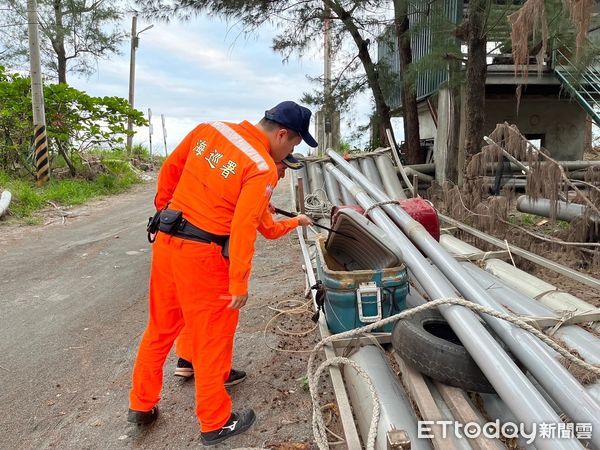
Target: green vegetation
{"type": "Point", "coordinates": [303, 381]}
{"type": "Point", "coordinates": [523, 219]}
{"type": "Point", "coordinates": [28, 198]}
{"type": "Point", "coordinates": [75, 121]}
{"type": "Point", "coordinates": [85, 146]}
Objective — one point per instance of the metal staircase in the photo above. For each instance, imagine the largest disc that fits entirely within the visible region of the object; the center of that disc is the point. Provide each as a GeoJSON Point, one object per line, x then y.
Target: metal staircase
{"type": "Point", "coordinates": [582, 83]}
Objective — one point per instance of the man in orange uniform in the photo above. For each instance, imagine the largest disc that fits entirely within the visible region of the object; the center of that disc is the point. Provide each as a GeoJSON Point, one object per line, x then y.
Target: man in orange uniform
{"type": "Point", "coordinates": [217, 184]}
{"type": "Point", "coordinates": [270, 229]}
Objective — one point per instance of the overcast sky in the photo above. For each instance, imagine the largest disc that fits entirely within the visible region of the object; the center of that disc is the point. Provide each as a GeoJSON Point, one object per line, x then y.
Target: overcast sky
{"type": "Point", "coordinates": [203, 70]}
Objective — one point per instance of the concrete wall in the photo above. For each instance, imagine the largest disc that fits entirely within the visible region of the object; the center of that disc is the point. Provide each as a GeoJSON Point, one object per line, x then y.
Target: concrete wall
{"type": "Point", "coordinates": [561, 121]}
{"type": "Point", "coordinates": [427, 129]}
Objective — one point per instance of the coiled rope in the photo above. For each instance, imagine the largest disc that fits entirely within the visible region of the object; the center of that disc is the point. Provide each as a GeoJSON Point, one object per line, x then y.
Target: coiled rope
{"type": "Point", "coordinates": [313, 374]}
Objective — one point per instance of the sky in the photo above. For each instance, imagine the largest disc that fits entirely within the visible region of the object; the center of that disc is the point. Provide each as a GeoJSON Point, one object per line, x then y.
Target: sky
{"type": "Point", "coordinates": [203, 70]}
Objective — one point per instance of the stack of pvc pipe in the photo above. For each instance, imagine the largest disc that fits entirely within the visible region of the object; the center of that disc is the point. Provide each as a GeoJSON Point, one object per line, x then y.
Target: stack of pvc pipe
{"type": "Point", "coordinates": [377, 167]}
{"type": "Point", "coordinates": [545, 293]}
{"type": "Point", "coordinates": [586, 344]}
{"type": "Point", "coordinates": [389, 177]}
{"type": "Point", "coordinates": [523, 398]}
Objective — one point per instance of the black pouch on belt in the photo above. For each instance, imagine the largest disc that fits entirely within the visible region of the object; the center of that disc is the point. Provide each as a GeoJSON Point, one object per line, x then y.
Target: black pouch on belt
{"type": "Point", "coordinates": [152, 227]}
{"type": "Point", "coordinates": [170, 221]}
{"type": "Point", "coordinates": [225, 249]}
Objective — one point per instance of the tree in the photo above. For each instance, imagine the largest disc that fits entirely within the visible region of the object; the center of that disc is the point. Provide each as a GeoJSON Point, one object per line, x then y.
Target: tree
{"type": "Point", "coordinates": [300, 23]}
{"type": "Point", "coordinates": [74, 34]}
{"type": "Point", "coordinates": [410, 114]}
{"type": "Point", "coordinates": [75, 121]}
{"type": "Point", "coordinates": [534, 28]}
{"type": "Point", "coordinates": [476, 74]}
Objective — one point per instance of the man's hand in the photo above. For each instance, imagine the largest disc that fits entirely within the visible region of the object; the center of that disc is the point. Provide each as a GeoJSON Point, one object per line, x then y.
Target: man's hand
{"type": "Point", "coordinates": [304, 220]}
{"type": "Point", "coordinates": [271, 208]}
{"type": "Point", "coordinates": [238, 301]}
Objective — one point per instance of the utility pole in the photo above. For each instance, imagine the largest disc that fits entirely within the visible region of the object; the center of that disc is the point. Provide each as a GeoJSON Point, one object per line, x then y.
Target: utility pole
{"type": "Point", "coordinates": [328, 118]}
{"type": "Point", "coordinates": [150, 129]}
{"type": "Point", "coordinates": [134, 45]}
{"type": "Point", "coordinates": [164, 128]}
{"type": "Point", "coordinates": [327, 88]}
{"type": "Point", "coordinates": [135, 40]}
{"type": "Point", "coordinates": [40, 140]}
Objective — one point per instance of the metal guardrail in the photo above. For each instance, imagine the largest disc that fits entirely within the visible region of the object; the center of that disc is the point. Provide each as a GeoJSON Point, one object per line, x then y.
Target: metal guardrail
{"type": "Point", "coordinates": [582, 83]}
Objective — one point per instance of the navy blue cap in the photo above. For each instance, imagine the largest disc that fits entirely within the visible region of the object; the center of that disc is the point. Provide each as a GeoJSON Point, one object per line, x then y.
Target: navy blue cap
{"type": "Point", "coordinates": [294, 117]}
{"type": "Point", "coordinates": [291, 162]}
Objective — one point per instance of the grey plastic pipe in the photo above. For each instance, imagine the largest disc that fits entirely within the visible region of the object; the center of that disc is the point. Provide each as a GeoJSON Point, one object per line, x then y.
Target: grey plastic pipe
{"type": "Point", "coordinates": [347, 198]}
{"type": "Point", "coordinates": [421, 176]}
{"type": "Point", "coordinates": [316, 180]}
{"type": "Point", "coordinates": [304, 174]}
{"type": "Point", "coordinates": [574, 336]}
{"type": "Point", "coordinates": [332, 188]}
{"type": "Point", "coordinates": [389, 177]}
{"type": "Point", "coordinates": [428, 168]}
{"type": "Point", "coordinates": [496, 409]}
{"type": "Point", "coordinates": [562, 386]}
{"type": "Point", "coordinates": [546, 293]}
{"type": "Point", "coordinates": [368, 167]}
{"type": "Point", "coordinates": [396, 410]}
{"type": "Point", "coordinates": [501, 371]}
{"type": "Point", "coordinates": [541, 207]}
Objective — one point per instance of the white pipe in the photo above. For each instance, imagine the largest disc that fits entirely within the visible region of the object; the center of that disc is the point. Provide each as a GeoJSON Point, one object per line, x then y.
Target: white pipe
{"type": "Point", "coordinates": [573, 336]}
{"type": "Point", "coordinates": [368, 167]}
{"type": "Point", "coordinates": [4, 202]}
{"type": "Point", "coordinates": [541, 207]}
{"type": "Point", "coordinates": [546, 293]}
{"type": "Point", "coordinates": [395, 407]}
{"type": "Point", "coordinates": [389, 177]}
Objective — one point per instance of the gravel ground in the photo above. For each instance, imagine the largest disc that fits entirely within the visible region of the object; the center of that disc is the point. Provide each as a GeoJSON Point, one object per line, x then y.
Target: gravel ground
{"type": "Point", "coordinates": [72, 309]}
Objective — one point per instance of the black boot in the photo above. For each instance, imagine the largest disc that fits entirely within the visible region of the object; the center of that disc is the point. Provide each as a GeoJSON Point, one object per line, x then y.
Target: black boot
{"type": "Point", "coordinates": [238, 423]}
{"type": "Point", "coordinates": [142, 417]}
{"type": "Point", "coordinates": [184, 369]}
{"type": "Point", "coordinates": [235, 377]}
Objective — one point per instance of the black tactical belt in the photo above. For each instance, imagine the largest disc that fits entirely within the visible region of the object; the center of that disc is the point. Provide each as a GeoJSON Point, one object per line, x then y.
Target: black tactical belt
{"type": "Point", "coordinates": [170, 221]}
{"type": "Point", "coordinates": [188, 231]}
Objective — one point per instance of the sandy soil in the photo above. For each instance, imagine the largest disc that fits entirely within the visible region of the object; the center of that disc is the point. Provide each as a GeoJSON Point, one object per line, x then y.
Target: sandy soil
{"type": "Point", "coordinates": [73, 299]}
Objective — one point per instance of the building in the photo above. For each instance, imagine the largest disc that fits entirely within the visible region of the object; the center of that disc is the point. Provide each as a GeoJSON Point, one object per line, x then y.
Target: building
{"type": "Point", "coordinates": [555, 106]}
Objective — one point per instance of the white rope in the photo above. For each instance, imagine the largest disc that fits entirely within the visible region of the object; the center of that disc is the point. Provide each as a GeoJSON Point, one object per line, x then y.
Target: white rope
{"type": "Point", "coordinates": [313, 375]}
{"type": "Point", "coordinates": [316, 207]}
{"type": "Point", "coordinates": [378, 204]}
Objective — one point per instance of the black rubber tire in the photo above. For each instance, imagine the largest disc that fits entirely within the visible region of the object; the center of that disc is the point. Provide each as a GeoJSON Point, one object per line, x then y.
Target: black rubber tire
{"type": "Point", "coordinates": [427, 343]}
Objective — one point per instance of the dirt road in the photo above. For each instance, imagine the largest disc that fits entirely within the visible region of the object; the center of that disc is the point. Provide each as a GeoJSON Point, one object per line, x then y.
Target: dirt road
{"type": "Point", "coordinates": [72, 310]}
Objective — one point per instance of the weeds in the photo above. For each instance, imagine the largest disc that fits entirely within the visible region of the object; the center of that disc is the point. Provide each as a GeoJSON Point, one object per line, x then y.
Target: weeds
{"type": "Point", "coordinates": [28, 198]}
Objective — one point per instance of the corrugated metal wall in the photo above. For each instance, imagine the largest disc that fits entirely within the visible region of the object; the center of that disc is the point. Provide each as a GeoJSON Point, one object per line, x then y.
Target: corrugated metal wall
{"type": "Point", "coordinates": [428, 81]}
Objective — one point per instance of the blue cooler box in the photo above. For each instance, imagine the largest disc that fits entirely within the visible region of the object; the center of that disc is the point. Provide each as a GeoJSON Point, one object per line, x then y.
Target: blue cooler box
{"type": "Point", "coordinates": [359, 297]}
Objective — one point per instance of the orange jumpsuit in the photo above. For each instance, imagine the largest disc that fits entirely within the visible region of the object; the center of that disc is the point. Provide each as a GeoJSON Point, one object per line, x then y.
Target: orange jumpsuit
{"type": "Point", "coordinates": [221, 176]}
{"type": "Point", "coordinates": [268, 228]}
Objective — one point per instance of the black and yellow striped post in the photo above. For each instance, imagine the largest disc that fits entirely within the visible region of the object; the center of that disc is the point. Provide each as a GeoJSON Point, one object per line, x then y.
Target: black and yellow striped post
{"type": "Point", "coordinates": [40, 141]}
{"type": "Point", "coordinates": [42, 164]}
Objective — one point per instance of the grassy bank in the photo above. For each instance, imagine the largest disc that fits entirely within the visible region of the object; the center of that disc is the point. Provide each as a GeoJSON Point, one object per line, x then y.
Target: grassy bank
{"type": "Point", "coordinates": [28, 199]}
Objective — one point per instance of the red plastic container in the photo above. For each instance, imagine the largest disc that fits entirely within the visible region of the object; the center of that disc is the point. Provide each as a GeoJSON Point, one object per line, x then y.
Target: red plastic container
{"type": "Point", "coordinates": [419, 209]}
{"type": "Point", "coordinates": [423, 212]}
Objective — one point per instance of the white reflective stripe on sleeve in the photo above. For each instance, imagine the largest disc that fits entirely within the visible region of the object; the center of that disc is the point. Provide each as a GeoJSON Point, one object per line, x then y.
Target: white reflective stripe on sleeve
{"type": "Point", "coordinates": [233, 137]}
